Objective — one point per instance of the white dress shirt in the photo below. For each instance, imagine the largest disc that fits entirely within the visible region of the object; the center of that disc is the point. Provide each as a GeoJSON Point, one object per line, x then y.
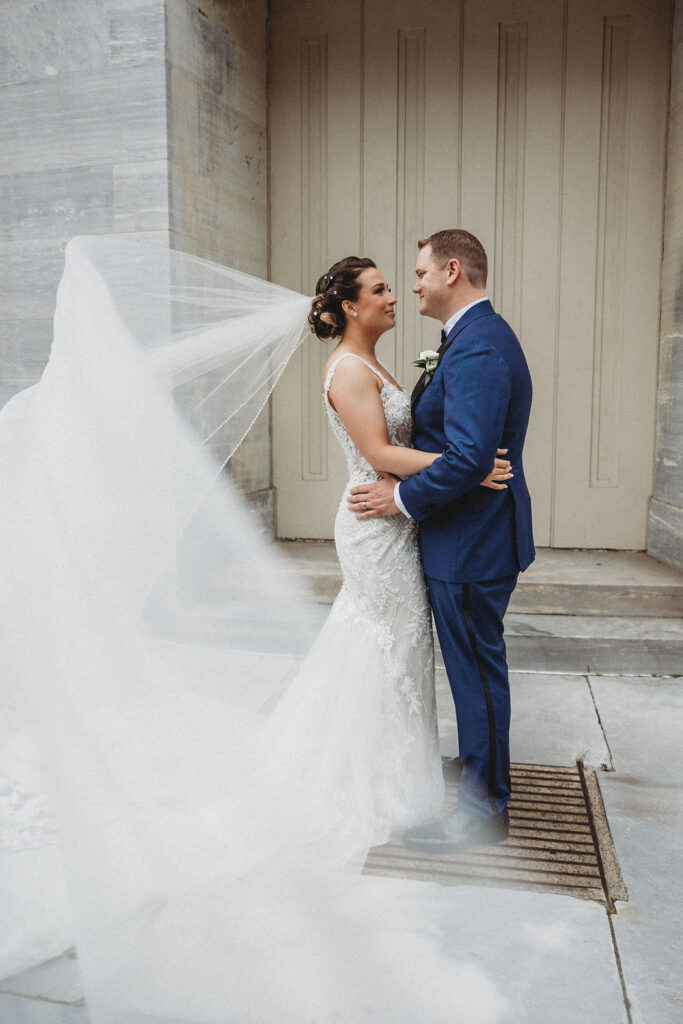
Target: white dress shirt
{"type": "Point", "coordinates": [447, 327]}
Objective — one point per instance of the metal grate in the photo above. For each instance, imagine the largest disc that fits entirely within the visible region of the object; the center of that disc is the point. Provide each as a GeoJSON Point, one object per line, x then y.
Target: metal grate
{"type": "Point", "coordinates": [559, 840]}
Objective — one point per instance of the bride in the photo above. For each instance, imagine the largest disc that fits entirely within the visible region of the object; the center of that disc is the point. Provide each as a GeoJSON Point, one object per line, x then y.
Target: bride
{"type": "Point", "coordinates": [213, 773]}
{"type": "Point", "coordinates": [383, 598]}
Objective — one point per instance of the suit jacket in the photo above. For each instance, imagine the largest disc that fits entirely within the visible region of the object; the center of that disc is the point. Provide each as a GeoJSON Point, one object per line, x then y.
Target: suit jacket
{"type": "Point", "coordinates": [477, 401]}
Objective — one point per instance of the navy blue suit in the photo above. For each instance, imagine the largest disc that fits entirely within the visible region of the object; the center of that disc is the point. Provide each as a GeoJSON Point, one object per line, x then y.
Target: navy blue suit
{"type": "Point", "coordinates": [474, 540]}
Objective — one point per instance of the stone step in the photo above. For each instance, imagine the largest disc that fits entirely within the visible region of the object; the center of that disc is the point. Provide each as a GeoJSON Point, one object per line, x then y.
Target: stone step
{"type": "Point", "coordinates": [599, 645]}
{"type": "Point", "coordinates": [595, 656]}
{"type": "Point", "coordinates": [573, 612]}
{"type": "Point", "coordinates": [560, 582]}
{"type": "Point", "coordinates": [602, 583]}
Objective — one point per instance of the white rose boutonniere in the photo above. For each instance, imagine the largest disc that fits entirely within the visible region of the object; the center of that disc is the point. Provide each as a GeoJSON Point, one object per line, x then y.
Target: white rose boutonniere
{"type": "Point", "coordinates": [427, 361]}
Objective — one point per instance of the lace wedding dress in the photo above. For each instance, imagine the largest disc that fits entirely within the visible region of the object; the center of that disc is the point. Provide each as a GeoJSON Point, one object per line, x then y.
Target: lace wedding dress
{"type": "Point", "coordinates": [356, 727]}
{"type": "Point", "coordinates": [383, 605]}
{"type": "Point", "coordinates": [214, 777]}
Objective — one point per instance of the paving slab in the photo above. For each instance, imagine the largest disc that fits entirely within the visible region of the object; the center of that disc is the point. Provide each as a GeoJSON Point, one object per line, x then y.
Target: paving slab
{"type": "Point", "coordinates": [57, 979]}
{"type": "Point", "coordinates": [17, 1010]}
{"type": "Point", "coordinates": [554, 720]}
{"type": "Point", "coordinates": [550, 958]}
{"type": "Point", "coordinates": [643, 719]}
{"type": "Point", "coordinates": [525, 958]}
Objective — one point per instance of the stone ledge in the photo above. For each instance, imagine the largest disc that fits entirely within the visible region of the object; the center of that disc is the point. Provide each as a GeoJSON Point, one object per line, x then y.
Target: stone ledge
{"type": "Point", "coordinates": [665, 533]}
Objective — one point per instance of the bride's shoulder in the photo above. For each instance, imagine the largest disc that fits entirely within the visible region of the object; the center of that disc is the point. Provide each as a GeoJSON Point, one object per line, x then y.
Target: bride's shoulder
{"type": "Point", "coordinates": [349, 369]}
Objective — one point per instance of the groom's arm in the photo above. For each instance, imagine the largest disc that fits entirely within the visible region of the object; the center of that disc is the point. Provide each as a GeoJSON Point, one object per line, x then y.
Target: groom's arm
{"type": "Point", "coordinates": [476, 396]}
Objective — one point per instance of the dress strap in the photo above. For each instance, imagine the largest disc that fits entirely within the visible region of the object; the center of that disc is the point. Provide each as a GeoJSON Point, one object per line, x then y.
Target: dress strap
{"type": "Point", "coordinates": [337, 361]}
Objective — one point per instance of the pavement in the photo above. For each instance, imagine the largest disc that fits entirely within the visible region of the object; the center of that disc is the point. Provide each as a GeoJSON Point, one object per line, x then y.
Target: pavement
{"type": "Point", "coordinates": [595, 645]}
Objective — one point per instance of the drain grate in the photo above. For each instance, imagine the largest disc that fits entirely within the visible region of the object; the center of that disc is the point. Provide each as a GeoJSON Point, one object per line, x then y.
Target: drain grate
{"type": "Point", "coordinates": [559, 840]}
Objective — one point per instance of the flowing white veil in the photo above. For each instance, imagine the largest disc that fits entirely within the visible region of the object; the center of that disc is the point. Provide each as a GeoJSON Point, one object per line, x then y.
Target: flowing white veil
{"type": "Point", "coordinates": [148, 622]}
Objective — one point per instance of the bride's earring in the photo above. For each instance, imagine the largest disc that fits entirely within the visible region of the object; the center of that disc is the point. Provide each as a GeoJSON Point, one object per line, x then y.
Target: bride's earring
{"type": "Point", "coordinates": [354, 313]}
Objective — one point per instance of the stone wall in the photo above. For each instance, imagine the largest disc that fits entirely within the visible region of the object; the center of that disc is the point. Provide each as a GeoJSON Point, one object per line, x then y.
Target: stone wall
{"type": "Point", "coordinates": [83, 150]}
{"type": "Point", "coordinates": [135, 117]}
{"type": "Point", "coordinates": [217, 130]}
{"type": "Point", "coordinates": [665, 526]}
{"type": "Point", "coordinates": [217, 108]}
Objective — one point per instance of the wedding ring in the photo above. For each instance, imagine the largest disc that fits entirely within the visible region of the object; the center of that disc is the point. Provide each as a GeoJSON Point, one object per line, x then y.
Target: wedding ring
{"type": "Point", "coordinates": [365, 506]}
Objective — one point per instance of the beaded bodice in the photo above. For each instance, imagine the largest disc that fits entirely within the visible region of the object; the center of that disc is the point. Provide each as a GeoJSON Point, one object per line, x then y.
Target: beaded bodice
{"type": "Point", "coordinates": [396, 404]}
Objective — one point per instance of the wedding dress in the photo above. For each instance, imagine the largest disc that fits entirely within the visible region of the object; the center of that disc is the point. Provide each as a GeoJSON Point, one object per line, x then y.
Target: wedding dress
{"type": "Point", "coordinates": [216, 762]}
{"type": "Point", "coordinates": [383, 608]}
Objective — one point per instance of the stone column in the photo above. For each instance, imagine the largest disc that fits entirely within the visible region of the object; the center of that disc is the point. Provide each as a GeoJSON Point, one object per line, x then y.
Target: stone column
{"type": "Point", "coordinates": [144, 118]}
{"type": "Point", "coordinates": [665, 524]}
{"type": "Point", "coordinates": [218, 186]}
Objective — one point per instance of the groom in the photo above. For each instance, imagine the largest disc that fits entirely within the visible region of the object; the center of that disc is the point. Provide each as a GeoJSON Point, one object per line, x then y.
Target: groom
{"type": "Point", "coordinates": [474, 540]}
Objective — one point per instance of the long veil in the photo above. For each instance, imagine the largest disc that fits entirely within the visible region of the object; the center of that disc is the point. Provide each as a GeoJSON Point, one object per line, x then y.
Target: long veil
{"type": "Point", "coordinates": [150, 629]}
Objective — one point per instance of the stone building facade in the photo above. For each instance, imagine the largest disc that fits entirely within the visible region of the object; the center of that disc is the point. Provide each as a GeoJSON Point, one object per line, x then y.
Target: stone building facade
{"type": "Point", "coordinates": [149, 118]}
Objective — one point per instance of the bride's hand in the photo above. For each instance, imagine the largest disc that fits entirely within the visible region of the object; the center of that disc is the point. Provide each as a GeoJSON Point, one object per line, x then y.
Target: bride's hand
{"type": "Point", "coordinates": [501, 471]}
{"type": "Point", "coordinates": [370, 500]}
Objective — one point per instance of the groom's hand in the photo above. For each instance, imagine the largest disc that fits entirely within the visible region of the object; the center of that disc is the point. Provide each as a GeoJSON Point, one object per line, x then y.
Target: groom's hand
{"type": "Point", "coordinates": [368, 500]}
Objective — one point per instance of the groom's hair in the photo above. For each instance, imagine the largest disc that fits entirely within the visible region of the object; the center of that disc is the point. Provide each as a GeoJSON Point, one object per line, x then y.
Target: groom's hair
{"type": "Point", "coordinates": [457, 244]}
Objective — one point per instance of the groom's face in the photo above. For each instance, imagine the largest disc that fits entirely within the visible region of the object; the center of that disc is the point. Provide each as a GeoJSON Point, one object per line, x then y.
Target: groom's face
{"type": "Point", "coordinates": [431, 284]}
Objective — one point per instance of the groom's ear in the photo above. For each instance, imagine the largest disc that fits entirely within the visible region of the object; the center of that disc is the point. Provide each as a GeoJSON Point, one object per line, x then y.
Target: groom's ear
{"type": "Point", "coordinates": [453, 271]}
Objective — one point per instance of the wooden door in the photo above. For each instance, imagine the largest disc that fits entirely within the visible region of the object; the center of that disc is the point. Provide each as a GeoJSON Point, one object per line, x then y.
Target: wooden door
{"type": "Point", "coordinates": [540, 127]}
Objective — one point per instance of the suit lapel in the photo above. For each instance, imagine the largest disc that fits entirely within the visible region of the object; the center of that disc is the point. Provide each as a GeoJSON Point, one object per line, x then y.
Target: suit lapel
{"type": "Point", "coordinates": [422, 380]}
{"type": "Point", "coordinates": [475, 313]}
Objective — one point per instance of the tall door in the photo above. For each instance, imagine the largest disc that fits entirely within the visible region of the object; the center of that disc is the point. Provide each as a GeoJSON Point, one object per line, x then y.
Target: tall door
{"type": "Point", "coordinates": [539, 126]}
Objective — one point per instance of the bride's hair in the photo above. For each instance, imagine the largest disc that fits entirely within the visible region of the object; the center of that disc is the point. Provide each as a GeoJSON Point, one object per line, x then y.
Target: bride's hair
{"type": "Point", "coordinates": [327, 318]}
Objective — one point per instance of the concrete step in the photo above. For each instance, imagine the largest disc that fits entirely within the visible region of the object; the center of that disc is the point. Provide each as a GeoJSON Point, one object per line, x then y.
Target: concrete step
{"type": "Point", "coordinates": [598, 645]}
{"type": "Point", "coordinates": [603, 583]}
{"type": "Point", "coordinates": [560, 582]}
{"type": "Point", "coordinates": [595, 656]}
{"type": "Point", "coordinates": [592, 645]}
{"type": "Point", "coordinates": [573, 612]}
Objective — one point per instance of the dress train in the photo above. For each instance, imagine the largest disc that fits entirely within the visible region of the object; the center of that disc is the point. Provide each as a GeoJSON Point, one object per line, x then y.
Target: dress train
{"type": "Point", "coordinates": [216, 763]}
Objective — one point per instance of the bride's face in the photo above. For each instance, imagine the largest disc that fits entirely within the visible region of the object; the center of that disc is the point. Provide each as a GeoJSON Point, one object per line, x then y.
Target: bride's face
{"type": "Point", "coordinates": [375, 303]}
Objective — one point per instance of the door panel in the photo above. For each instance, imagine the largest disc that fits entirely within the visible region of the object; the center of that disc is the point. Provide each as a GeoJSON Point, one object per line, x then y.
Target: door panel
{"type": "Point", "coordinates": [410, 184]}
{"type": "Point", "coordinates": [315, 202]}
{"type": "Point", "coordinates": [511, 144]}
{"type": "Point", "coordinates": [613, 162]}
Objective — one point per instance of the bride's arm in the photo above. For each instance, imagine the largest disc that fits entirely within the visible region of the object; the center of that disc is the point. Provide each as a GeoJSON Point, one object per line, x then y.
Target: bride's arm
{"type": "Point", "coordinates": [355, 395]}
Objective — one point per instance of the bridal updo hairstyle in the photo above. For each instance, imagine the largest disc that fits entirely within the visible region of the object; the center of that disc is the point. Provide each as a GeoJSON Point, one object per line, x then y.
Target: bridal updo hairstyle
{"type": "Point", "coordinates": [327, 318]}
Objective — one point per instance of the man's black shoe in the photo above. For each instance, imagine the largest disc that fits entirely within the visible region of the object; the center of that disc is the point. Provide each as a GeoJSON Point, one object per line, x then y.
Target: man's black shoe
{"type": "Point", "coordinates": [457, 831]}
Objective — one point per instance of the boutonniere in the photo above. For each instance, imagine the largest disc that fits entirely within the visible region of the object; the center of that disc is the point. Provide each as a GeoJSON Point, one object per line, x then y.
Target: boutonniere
{"type": "Point", "coordinates": [427, 362]}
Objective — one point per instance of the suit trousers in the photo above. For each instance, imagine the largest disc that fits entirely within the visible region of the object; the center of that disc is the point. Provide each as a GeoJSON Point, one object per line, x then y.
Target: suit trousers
{"type": "Point", "coordinates": [469, 624]}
